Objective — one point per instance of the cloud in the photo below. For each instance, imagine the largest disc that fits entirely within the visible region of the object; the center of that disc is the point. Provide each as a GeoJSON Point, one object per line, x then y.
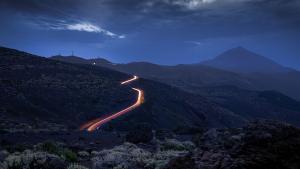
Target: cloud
{"type": "Point", "coordinates": [88, 27]}
{"type": "Point", "coordinates": [192, 4]}
{"type": "Point", "coordinates": [200, 4]}
{"type": "Point", "coordinates": [84, 27]}
{"type": "Point", "coordinates": [169, 18]}
{"type": "Point", "coordinates": [196, 43]}
{"type": "Point", "coordinates": [77, 26]}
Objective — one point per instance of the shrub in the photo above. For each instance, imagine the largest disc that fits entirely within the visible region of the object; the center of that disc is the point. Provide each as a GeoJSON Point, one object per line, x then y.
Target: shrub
{"type": "Point", "coordinates": [50, 147]}
{"type": "Point", "coordinates": [69, 155]}
{"type": "Point", "coordinates": [76, 166]}
{"type": "Point", "coordinates": [173, 144]}
{"type": "Point", "coordinates": [32, 160]}
{"type": "Point", "coordinates": [129, 156]}
{"type": "Point", "coordinates": [54, 148]}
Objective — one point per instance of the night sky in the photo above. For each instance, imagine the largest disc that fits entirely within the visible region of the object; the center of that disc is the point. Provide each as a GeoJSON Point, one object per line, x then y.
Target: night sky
{"type": "Point", "coordinates": [159, 31]}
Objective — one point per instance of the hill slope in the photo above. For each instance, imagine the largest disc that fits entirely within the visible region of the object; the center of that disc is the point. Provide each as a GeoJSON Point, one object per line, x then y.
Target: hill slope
{"type": "Point", "coordinates": [255, 104]}
{"type": "Point", "coordinates": [33, 87]}
{"type": "Point", "coordinates": [36, 88]}
{"type": "Point", "coordinates": [220, 87]}
{"type": "Point", "coordinates": [245, 99]}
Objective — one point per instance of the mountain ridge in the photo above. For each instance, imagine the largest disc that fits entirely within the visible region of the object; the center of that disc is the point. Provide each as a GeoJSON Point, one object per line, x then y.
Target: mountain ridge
{"type": "Point", "coordinates": [236, 92]}
{"type": "Point", "coordinates": [188, 76]}
{"type": "Point", "coordinates": [241, 60]}
{"type": "Point", "coordinates": [36, 88]}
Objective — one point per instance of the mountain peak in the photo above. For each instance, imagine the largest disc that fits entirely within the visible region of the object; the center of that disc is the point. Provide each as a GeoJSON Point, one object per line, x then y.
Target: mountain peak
{"type": "Point", "coordinates": [241, 53]}
{"type": "Point", "coordinates": [242, 60]}
{"type": "Point", "coordinates": [239, 48]}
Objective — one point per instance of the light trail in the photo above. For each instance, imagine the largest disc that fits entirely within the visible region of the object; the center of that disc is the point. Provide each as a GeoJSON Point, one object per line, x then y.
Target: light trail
{"type": "Point", "coordinates": [139, 101]}
{"type": "Point", "coordinates": [130, 80]}
{"type": "Point", "coordinates": [86, 125]}
{"type": "Point", "coordinates": [94, 124]}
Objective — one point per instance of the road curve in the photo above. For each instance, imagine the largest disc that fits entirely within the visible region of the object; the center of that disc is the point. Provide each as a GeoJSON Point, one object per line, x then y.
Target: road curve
{"type": "Point", "coordinates": [94, 124]}
{"type": "Point", "coordinates": [130, 80]}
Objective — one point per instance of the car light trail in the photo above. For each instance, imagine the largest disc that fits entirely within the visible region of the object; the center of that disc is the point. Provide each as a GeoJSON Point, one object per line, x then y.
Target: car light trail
{"type": "Point", "coordinates": [130, 80]}
{"type": "Point", "coordinates": [94, 124]}
{"type": "Point", "coordinates": [139, 101]}
{"type": "Point", "coordinates": [86, 125]}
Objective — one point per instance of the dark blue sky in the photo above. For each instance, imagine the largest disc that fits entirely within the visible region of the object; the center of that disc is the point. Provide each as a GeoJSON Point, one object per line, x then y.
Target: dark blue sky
{"type": "Point", "coordinates": [159, 31]}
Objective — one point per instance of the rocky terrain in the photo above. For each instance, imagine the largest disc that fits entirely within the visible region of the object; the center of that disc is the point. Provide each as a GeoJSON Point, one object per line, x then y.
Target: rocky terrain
{"type": "Point", "coordinates": [261, 144]}
{"type": "Point", "coordinates": [258, 145]}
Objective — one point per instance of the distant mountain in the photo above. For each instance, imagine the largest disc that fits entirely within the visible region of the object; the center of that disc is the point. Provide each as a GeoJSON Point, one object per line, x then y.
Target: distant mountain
{"type": "Point", "coordinates": [266, 75]}
{"type": "Point", "coordinates": [236, 92]}
{"type": "Point", "coordinates": [184, 76]}
{"type": "Point", "coordinates": [241, 60]}
{"type": "Point", "coordinates": [179, 75]}
{"type": "Point", "coordinates": [192, 76]}
{"type": "Point", "coordinates": [35, 89]}
{"type": "Point", "coordinates": [228, 89]}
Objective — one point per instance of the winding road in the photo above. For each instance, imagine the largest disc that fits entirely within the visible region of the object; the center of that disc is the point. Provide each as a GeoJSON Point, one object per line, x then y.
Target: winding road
{"type": "Point", "coordinates": [96, 123]}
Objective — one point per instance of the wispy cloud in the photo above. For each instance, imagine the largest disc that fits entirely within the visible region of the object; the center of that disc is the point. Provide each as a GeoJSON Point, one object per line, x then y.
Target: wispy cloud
{"type": "Point", "coordinates": [198, 4]}
{"type": "Point", "coordinates": [197, 43]}
{"type": "Point", "coordinates": [79, 26]}
{"type": "Point", "coordinates": [190, 4]}
{"type": "Point", "coordinates": [88, 27]}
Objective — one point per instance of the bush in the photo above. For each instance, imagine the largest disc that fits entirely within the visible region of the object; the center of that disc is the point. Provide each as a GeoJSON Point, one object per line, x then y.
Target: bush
{"type": "Point", "coordinates": [173, 144]}
{"type": "Point", "coordinates": [125, 156]}
{"type": "Point", "coordinates": [32, 160]}
{"type": "Point", "coordinates": [129, 156]}
{"type": "Point", "coordinates": [69, 155]}
{"type": "Point", "coordinates": [83, 154]}
{"type": "Point", "coordinates": [76, 166]}
{"type": "Point", "coordinates": [54, 148]}
{"type": "Point", "coordinates": [50, 147]}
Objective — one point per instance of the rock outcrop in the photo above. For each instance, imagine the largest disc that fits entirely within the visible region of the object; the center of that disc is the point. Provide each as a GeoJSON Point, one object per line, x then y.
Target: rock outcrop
{"type": "Point", "coordinates": [259, 145]}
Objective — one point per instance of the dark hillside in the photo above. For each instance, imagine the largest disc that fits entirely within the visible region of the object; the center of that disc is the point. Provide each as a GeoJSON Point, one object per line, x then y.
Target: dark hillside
{"type": "Point", "coordinates": [35, 88]}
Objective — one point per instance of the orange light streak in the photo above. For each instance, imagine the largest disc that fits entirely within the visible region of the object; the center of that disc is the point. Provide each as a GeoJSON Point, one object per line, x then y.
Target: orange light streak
{"type": "Point", "coordinates": [130, 80]}
{"type": "Point", "coordinates": [120, 113]}
{"type": "Point", "coordinates": [94, 124]}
